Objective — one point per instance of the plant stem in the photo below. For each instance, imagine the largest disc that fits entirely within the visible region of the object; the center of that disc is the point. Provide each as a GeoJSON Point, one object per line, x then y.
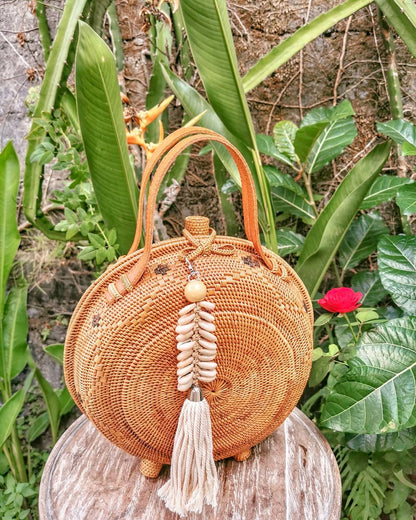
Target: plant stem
{"type": "Point", "coordinates": [45, 35]}
{"type": "Point", "coordinates": [10, 460]}
{"type": "Point", "coordinates": [393, 84]}
{"type": "Point", "coordinates": [350, 327]}
{"type": "Point", "coordinates": [308, 185]}
{"type": "Point", "coordinates": [18, 456]}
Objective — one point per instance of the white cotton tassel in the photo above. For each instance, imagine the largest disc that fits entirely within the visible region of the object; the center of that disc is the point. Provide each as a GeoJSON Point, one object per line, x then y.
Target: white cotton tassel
{"type": "Point", "coordinates": [193, 475]}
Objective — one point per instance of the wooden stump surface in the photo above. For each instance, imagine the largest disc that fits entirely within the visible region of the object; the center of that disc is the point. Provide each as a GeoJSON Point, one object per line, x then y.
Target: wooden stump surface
{"type": "Point", "coordinates": [292, 475]}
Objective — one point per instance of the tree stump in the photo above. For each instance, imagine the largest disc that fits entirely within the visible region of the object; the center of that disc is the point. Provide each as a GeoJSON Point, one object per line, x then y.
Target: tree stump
{"type": "Point", "coordinates": [292, 475]}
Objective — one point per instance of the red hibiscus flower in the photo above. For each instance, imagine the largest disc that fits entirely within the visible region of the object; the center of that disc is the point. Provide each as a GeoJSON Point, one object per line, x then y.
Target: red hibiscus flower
{"type": "Point", "coordinates": [341, 299]}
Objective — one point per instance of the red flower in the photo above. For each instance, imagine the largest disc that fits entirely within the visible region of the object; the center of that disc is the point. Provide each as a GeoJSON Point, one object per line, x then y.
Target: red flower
{"type": "Point", "coordinates": [342, 300]}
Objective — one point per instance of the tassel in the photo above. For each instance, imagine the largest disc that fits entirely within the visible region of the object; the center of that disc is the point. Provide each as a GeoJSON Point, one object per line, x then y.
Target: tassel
{"type": "Point", "coordinates": [193, 476]}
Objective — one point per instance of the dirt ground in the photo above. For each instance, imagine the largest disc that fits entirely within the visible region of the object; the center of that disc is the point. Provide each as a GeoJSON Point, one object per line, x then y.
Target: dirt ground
{"type": "Point", "coordinates": [348, 61]}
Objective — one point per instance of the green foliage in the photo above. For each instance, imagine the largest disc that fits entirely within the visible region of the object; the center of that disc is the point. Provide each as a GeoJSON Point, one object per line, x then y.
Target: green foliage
{"type": "Point", "coordinates": [376, 395]}
{"type": "Point", "coordinates": [369, 284]}
{"type": "Point", "coordinates": [397, 266]}
{"type": "Point", "coordinates": [329, 229]}
{"type": "Point", "coordinates": [401, 15]}
{"type": "Point", "coordinates": [402, 132]}
{"type": "Point", "coordinates": [209, 33]}
{"type": "Point", "coordinates": [383, 189]}
{"type": "Point", "coordinates": [361, 239]}
{"type": "Point", "coordinates": [103, 133]}
{"type": "Point", "coordinates": [49, 92]}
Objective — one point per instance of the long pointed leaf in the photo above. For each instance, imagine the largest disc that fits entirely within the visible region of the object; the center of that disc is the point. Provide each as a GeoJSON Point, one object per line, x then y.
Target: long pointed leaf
{"type": "Point", "coordinates": [401, 15]}
{"type": "Point", "coordinates": [47, 97]}
{"type": "Point", "coordinates": [211, 42]}
{"type": "Point", "coordinates": [104, 136]}
{"type": "Point", "coordinates": [297, 41]}
{"type": "Point", "coordinates": [194, 104]}
{"type": "Point", "coordinates": [324, 238]}
{"type": "Point", "coordinates": [14, 333]}
{"type": "Point", "coordinates": [52, 404]}
{"type": "Point", "coordinates": [9, 235]}
{"type": "Point", "coordinates": [8, 414]}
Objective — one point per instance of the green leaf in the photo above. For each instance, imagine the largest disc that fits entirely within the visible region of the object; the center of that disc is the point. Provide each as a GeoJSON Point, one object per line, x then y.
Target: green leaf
{"type": "Point", "coordinates": [361, 240]}
{"type": "Point", "coordinates": [297, 41]}
{"type": "Point", "coordinates": [8, 414]}
{"type": "Point", "coordinates": [39, 426]}
{"type": "Point", "coordinates": [9, 235]}
{"type": "Point", "coordinates": [397, 266]}
{"type": "Point", "coordinates": [14, 333]}
{"type": "Point", "coordinates": [194, 104]}
{"type": "Point", "coordinates": [66, 403]}
{"type": "Point", "coordinates": [369, 283]}
{"type": "Point", "coordinates": [56, 352]}
{"type": "Point", "coordinates": [401, 15]}
{"type": "Point", "coordinates": [319, 371]}
{"type": "Point", "coordinates": [398, 441]}
{"type": "Point", "coordinates": [402, 132]}
{"type": "Point", "coordinates": [288, 201]}
{"type": "Point", "coordinates": [266, 145]}
{"type": "Point", "coordinates": [324, 238]}
{"type": "Point", "coordinates": [323, 319]}
{"type": "Point", "coordinates": [104, 135]}
{"type": "Point", "coordinates": [376, 395]}
{"type": "Point", "coordinates": [228, 212]}
{"type": "Point", "coordinates": [383, 189]}
{"type": "Point", "coordinates": [406, 199]}
{"type": "Point", "coordinates": [366, 316]}
{"type": "Point", "coordinates": [161, 46]}
{"type": "Point", "coordinates": [278, 179]}
{"type": "Point", "coordinates": [284, 133]}
{"type": "Point", "coordinates": [335, 137]}
{"type": "Point", "coordinates": [52, 403]}
{"type": "Point", "coordinates": [328, 114]}
{"type": "Point", "coordinates": [49, 91]}
{"type": "Point", "coordinates": [211, 42]}
{"type": "Point", "coordinates": [306, 138]}
{"type": "Point", "coordinates": [289, 242]}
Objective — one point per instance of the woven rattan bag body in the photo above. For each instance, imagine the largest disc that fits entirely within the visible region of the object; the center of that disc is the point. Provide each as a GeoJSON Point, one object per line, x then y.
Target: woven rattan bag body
{"type": "Point", "coordinates": [121, 352]}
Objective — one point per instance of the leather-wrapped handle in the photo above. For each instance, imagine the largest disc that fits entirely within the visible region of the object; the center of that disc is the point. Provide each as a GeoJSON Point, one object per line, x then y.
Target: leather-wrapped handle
{"type": "Point", "coordinates": [176, 143]}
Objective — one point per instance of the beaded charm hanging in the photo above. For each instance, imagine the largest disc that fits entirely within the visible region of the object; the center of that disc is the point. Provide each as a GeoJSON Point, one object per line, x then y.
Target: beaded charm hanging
{"type": "Point", "coordinates": [193, 478]}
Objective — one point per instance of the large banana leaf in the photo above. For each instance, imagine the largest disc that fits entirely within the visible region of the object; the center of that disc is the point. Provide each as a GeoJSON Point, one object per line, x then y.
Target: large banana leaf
{"type": "Point", "coordinates": [9, 235]}
{"type": "Point", "coordinates": [297, 41]}
{"type": "Point", "coordinates": [210, 39]}
{"type": "Point", "coordinates": [104, 135]}
{"type": "Point", "coordinates": [377, 394]}
{"type": "Point", "coordinates": [326, 234]}
{"type": "Point", "coordinates": [50, 87]}
{"type": "Point", "coordinates": [401, 15]}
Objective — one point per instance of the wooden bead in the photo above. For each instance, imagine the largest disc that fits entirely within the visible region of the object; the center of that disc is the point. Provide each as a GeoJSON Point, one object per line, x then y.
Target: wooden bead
{"type": "Point", "coordinates": [195, 291]}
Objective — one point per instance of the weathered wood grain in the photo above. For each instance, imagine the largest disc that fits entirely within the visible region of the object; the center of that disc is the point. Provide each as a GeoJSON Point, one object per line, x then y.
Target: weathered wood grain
{"type": "Point", "coordinates": [292, 475]}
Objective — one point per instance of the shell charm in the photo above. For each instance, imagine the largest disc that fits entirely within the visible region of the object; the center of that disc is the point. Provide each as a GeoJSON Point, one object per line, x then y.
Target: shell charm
{"type": "Point", "coordinates": [196, 340]}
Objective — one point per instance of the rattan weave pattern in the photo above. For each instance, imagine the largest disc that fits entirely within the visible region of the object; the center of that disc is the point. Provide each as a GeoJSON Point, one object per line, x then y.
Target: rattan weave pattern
{"type": "Point", "coordinates": [120, 359]}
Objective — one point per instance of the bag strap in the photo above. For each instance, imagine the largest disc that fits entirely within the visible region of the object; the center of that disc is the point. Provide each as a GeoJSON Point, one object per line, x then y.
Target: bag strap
{"type": "Point", "coordinates": [175, 144]}
{"type": "Point", "coordinates": [168, 143]}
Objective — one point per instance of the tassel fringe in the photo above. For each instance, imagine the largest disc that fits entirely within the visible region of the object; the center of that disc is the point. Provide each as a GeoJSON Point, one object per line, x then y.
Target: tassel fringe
{"type": "Point", "coordinates": [193, 475]}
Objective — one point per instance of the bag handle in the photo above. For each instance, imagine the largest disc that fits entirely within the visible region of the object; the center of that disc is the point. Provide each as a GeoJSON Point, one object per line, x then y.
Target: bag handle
{"type": "Point", "coordinates": [176, 144]}
{"type": "Point", "coordinates": [168, 143]}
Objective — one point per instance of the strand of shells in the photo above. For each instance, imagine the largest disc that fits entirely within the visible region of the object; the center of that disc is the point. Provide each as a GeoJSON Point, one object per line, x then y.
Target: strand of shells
{"type": "Point", "coordinates": [197, 345]}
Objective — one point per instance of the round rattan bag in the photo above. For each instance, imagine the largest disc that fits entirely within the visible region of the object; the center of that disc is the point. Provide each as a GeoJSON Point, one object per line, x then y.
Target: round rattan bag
{"type": "Point", "coordinates": [125, 348]}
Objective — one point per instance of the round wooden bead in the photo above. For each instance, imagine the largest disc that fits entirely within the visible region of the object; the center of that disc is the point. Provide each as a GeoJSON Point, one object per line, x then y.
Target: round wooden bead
{"type": "Point", "coordinates": [195, 291]}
